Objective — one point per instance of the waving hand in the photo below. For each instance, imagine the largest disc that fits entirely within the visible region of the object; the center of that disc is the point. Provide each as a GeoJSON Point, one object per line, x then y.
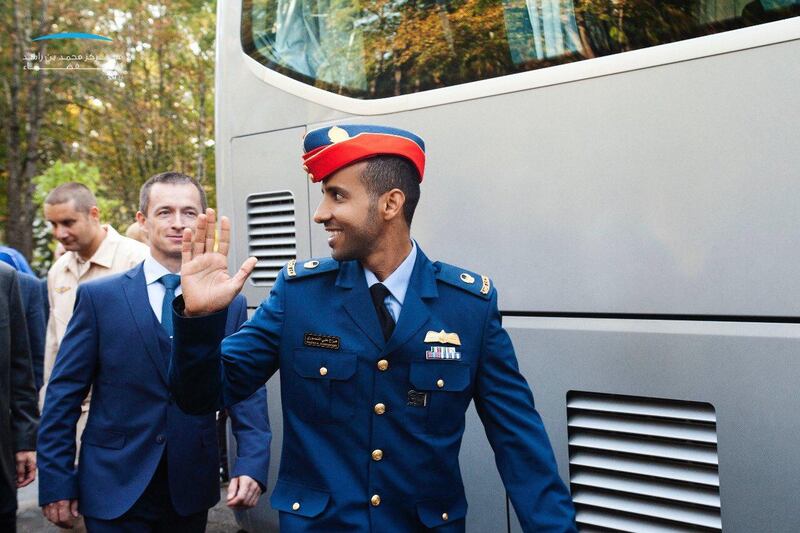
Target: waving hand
{"type": "Point", "coordinates": [207, 287]}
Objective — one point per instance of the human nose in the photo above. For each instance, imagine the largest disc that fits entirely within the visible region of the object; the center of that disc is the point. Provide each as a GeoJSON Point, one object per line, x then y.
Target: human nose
{"type": "Point", "coordinates": [179, 221]}
{"type": "Point", "coordinates": [60, 233]}
{"type": "Point", "coordinates": [323, 213]}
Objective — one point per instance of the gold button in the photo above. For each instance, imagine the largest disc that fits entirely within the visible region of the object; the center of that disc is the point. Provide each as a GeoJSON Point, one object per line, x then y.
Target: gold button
{"type": "Point", "coordinates": [323, 371]}
{"type": "Point", "coordinates": [440, 383]}
{"type": "Point", "coordinates": [380, 408]}
{"type": "Point", "coordinates": [377, 455]}
{"type": "Point", "coordinates": [445, 517]}
{"type": "Point", "coordinates": [375, 500]}
{"type": "Point", "coordinates": [305, 167]}
{"type": "Point", "coordinates": [383, 365]}
{"type": "Point", "coordinates": [295, 506]}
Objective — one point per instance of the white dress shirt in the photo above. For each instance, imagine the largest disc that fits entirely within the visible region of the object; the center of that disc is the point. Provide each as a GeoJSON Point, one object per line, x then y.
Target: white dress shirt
{"type": "Point", "coordinates": [153, 271]}
{"type": "Point", "coordinates": [397, 283]}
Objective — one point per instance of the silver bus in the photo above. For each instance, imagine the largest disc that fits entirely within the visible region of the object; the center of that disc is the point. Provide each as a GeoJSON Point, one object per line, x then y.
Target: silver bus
{"type": "Point", "coordinates": [628, 174]}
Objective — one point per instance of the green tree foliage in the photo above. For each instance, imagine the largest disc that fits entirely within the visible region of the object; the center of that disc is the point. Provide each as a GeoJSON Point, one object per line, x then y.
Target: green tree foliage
{"type": "Point", "coordinates": [125, 110]}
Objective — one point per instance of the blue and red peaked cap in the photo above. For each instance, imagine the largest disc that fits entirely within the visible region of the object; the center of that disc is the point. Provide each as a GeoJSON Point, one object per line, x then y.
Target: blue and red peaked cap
{"type": "Point", "coordinates": [331, 148]}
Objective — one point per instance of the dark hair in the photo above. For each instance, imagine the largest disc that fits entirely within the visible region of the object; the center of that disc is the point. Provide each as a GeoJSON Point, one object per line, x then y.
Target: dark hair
{"type": "Point", "coordinates": [173, 178]}
{"type": "Point", "coordinates": [72, 192]}
{"type": "Point", "coordinates": [384, 173]}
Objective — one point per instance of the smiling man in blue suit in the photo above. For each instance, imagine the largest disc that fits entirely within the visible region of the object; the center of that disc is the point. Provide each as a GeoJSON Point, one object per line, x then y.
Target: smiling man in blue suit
{"type": "Point", "coordinates": [145, 465]}
{"type": "Point", "coordinates": [381, 352]}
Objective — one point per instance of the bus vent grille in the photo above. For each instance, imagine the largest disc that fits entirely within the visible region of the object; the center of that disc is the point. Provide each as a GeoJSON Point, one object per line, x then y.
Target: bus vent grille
{"type": "Point", "coordinates": [643, 464]}
{"type": "Point", "coordinates": [270, 234]}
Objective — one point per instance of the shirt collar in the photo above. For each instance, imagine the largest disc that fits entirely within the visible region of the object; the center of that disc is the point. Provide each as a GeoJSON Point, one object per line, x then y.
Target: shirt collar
{"type": "Point", "coordinates": [153, 270]}
{"type": "Point", "coordinates": [104, 255]}
{"type": "Point", "coordinates": [398, 281]}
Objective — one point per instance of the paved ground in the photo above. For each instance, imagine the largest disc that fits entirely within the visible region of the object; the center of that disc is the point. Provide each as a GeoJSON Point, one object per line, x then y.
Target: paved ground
{"type": "Point", "coordinates": [30, 519]}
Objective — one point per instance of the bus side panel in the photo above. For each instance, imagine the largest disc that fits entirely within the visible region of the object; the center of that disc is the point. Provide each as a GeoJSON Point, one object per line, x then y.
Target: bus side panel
{"type": "Point", "coordinates": [266, 162]}
{"type": "Point", "coordinates": [667, 190]}
{"type": "Point", "coordinates": [747, 371]}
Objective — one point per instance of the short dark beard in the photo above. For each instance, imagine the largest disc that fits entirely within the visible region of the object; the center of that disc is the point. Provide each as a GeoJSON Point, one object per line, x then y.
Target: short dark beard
{"type": "Point", "coordinates": [365, 238]}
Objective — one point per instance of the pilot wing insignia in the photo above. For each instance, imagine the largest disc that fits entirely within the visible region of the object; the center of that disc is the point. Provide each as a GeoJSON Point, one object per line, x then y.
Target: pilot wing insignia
{"type": "Point", "coordinates": [442, 337]}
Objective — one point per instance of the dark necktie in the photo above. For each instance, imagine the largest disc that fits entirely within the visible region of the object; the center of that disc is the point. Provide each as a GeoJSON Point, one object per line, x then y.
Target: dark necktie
{"type": "Point", "coordinates": [379, 293]}
{"type": "Point", "coordinates": [170, 282]}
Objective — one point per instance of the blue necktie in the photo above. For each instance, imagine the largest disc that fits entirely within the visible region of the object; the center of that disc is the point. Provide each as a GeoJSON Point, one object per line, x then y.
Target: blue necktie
{"type": "Point", "coordinates": [170, 282]}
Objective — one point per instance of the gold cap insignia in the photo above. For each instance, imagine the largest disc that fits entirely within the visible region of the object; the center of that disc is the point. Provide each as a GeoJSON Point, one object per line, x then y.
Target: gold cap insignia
{"type": "Point", "coordinates": [443, 338]}
{"type": "Point", "coordinates": [62, 290]}
{"type": "Point", "coordinates": [466, 278]}
{"type": "Point", "coordinates": [337, 134]}
{"type": "Point", "coordinates": [290, 268]}
{"type": "Point", "coordinates": [311, 264]}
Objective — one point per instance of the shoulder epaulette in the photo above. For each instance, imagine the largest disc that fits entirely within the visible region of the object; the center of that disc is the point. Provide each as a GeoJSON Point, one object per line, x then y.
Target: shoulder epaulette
{"type": "Point", "coordinates": [463, 279]}
{"type": "Point", "coordinates": [295, 269]}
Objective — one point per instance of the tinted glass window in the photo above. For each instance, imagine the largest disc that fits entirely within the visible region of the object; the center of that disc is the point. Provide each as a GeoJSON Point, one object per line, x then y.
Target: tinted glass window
{"type": "Point", "coordinates": [379, 48]}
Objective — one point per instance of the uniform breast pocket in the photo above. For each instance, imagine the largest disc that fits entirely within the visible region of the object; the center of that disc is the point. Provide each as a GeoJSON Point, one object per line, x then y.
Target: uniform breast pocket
{"type": "Point", "coordinates": [325, 387]}
{"type": "Point", "coordinates": [439, 399]}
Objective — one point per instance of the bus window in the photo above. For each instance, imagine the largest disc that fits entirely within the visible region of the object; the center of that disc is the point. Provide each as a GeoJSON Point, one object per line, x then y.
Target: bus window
{"type": "Point", "coordinates": [379, 48]}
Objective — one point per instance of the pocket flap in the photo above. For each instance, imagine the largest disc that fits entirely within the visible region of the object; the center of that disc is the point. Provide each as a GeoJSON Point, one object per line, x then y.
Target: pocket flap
{"type": "Point", "coordinates": [105, 438]}
{"type": "Point", "coordinates": [298, 499]}
{"type": "Point", "coordinates": [439, 375]}
{"type": "Point", "coordinates": [435, 513]}
{"type": "Point", "coordinates": [324, 364]}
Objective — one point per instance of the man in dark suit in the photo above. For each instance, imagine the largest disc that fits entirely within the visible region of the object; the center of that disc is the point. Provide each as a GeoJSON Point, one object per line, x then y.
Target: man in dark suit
{"type": "Point", "coordinates": [381, 352]}
{"type": "Point", "coordinates": [17, 400]}
{"type": "Point", "coordinates": [144, 464]}
{"type": "Point", "coordinates": [30, 288]}
{"type": "Point", "coordinates": [31, 291]}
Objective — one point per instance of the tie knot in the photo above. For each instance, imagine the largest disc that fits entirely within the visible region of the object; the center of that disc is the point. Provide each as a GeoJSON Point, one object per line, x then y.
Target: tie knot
{"type": "Point", "coordinates": [379, 293]}
{"type": "Point", "coordinates": [170, 281]}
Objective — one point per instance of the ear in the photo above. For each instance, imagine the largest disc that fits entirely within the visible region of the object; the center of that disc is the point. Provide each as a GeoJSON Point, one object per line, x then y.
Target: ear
{"type": "Point", "coordinates": [391, 204]}
{"type": "Point", "coordinates": [94, 212]}
{"type": "Point", "coordinates": [140, 218]}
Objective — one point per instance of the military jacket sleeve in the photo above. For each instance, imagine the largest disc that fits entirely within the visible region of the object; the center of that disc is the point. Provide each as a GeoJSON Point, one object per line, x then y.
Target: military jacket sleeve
{"type": "Point", "coordinates": [208, 372]}
{"type": "Point", "coordinates": [249, 421]}
{"type": "Point", "coordinates": [517, 435]}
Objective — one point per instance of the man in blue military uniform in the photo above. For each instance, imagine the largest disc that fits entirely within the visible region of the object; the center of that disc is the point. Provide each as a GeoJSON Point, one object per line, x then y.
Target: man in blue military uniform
{"type": "Point", "coordinates": [380, 351]}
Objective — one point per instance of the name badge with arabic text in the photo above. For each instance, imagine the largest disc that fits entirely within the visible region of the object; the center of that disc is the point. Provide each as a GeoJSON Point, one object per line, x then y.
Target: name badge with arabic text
{"type": "Point", "coordinates": [315, 340]}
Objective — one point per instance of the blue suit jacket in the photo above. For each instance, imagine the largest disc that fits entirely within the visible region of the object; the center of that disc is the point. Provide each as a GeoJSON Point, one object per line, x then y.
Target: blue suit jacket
{"type": "Point", "coordinates": [115, 344]}
{"type": "Point", "coordinates": [35, 318]}
{"type": "Point", "coordinates": [320, 327]}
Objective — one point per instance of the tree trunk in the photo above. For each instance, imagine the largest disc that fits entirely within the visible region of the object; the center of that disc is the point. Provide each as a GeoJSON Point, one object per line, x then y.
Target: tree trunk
{"type": "Point", "coordinates": [24, 118]}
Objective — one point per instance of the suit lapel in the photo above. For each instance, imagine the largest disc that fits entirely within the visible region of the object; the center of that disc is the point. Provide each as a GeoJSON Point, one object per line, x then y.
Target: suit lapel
{"type": "Point", "coordinates": [135, 289]}
{"type": "Point", "coordinates": [357, 303]}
